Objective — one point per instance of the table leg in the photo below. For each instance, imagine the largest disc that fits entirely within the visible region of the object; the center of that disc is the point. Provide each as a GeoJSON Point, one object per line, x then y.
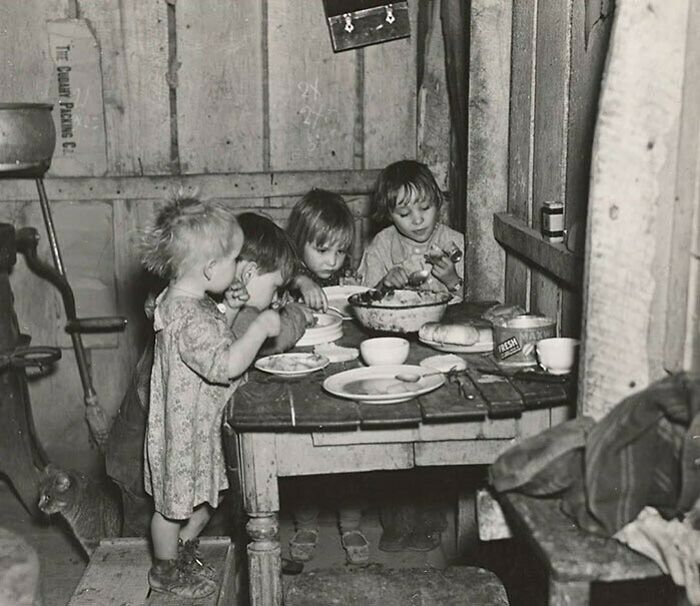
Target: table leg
{"type": "Point", "coordinates": [258, 465]}
{"type": "Point", "coordinates": [569, 593]}
{"type": "Point", "coordinates": [264, 561]}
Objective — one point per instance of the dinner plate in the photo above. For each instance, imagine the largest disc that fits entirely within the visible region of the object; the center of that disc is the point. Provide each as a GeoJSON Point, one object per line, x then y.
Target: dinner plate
{"type": "Point", "coordinates": [292, 364]}
{"type": "Point", "coordinates": [338, 297]}
{"type": "Point", "coordinates": [379, 385]}
{"type": "Point", "coordinates": [328, 327]}
{"type": "Point", "coordinates": [475, 348]}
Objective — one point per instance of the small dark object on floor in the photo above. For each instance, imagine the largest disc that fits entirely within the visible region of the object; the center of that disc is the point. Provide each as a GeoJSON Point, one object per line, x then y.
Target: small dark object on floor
{"type": "Point", "coordinates": [291, 567]}
{"type": "Point", "coordinates": [377, 585]}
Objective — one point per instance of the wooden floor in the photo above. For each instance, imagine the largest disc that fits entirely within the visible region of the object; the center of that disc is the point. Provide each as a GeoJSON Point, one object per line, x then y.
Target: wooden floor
{"type": "Point", "coordinates": [62, 562]}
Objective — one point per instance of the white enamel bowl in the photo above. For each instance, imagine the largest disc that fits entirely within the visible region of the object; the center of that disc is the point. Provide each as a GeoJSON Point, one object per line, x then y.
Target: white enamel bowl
{"type": "Point", "coordinates": [402, 311]}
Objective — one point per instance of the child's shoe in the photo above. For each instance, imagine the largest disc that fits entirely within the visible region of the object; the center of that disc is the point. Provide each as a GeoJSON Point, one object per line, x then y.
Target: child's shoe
{"type": "Point", "coordinates": [356, 547]}
{"type": "Point", "coordinates": [189, 560]}
{"type": "Point", "coordinates": [423, 540]}
{"type": "Point", "coordinates": [427, 532]}
{"type": "Point", "coordinates": [171, 579]}
{"type": "Point", "coordinates": [397, 524]}
{"type": "Point", "coordinates": [392, 540]}
{"type": "Point", "coordinates": [302, 545]}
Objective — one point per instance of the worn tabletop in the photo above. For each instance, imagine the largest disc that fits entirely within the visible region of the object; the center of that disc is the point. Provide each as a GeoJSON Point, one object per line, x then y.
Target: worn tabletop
{"type": "Point", "coordinates": [268, 401]}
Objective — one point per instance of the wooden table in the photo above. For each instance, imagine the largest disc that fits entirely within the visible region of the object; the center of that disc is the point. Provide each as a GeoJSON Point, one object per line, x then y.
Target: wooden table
{"type": "Point", "coordinates": [290, 427]}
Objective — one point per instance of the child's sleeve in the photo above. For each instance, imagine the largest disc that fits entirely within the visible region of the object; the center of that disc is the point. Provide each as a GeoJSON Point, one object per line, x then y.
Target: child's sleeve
{"type": "Point", "coordinates": [374, 264]}
{"type": "Point", "coordinates": [203, 346]}
{"type": "Point", "coordinates": [292, 328]}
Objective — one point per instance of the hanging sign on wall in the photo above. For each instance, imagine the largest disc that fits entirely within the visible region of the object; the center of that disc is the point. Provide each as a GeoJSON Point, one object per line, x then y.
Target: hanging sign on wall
{"type": "Point", "coordinates": [76, 93]}
{"type": "Point", "coordinates": [356, 23]}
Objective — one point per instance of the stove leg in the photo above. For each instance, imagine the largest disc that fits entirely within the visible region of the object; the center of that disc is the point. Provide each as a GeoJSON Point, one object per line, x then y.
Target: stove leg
{"type": "Point", "coordinates": [21, 456]}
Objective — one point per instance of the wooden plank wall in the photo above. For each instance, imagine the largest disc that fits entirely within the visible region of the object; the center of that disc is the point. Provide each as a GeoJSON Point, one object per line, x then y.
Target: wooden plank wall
{"type": "Point", "coordinates": [190, 89]}
{"type": "Point", "coordinates": [487, 179]}
{"type": "Point", "coordinates": [557, 60]}
{"type": "Point", "coordinates": [640, 306]}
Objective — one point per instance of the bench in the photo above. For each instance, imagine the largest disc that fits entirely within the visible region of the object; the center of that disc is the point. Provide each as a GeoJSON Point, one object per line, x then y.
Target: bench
{"type": "Point", "coordinates": [573, 558]}
{"type": "Point", "coordinates": [377, 585]}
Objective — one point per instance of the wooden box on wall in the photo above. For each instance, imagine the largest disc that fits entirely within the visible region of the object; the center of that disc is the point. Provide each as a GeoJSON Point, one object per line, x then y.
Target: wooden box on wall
{"type": "Point", "coordinates": [356, 23]}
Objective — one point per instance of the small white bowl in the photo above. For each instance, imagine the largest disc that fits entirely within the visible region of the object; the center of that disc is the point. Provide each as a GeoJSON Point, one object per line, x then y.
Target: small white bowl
{"type": "Point", "coordinates": [557, 355]}
{"type": "Point", "coordinates": [384, 350]}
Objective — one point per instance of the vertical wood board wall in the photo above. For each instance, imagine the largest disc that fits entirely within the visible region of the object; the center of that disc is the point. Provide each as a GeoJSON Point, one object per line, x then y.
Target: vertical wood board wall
{"type": "Point", "coordinates": [190, 88]}
{"type": "Point", "coordinates": [633, 189]}
{"type": "Point", "coordinates": [556, 67]}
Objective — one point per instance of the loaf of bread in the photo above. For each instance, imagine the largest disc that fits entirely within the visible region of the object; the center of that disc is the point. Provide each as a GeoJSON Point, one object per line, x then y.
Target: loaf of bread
{"type": "Point", "coordinates": [450, 334]}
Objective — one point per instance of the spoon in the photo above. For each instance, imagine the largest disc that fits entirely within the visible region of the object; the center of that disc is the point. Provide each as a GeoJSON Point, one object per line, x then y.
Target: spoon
{"type": "Point", "coordinates": [411, 377]}
{"type": "Point", "coordinates": [418, 277]}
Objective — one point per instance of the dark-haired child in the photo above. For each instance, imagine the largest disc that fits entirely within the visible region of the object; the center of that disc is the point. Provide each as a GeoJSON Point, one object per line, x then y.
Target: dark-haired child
{"type": "Point", "coordinates": [266, 265]}
{"type": "Point", "coordinates": [321, 227]}
{"type": "Point", "coordinates": [407, 195]}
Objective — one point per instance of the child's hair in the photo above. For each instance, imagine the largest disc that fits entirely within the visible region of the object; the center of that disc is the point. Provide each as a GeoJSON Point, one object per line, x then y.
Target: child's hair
{"type": "Point", "coordinates": [185, 231]}
{"type": "Point", "coordinates": [267, 245]}
{"type": "Point", "coordinates": [400, 179]}
{"type": "Point", "coordinates": [321, 217]}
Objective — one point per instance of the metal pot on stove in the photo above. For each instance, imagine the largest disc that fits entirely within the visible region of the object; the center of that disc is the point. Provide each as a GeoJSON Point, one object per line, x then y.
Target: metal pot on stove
{"type": "Point", "coordinates": [27, 139]}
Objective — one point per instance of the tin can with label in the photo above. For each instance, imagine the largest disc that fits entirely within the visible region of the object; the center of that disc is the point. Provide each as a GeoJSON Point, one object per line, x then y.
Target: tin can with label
{"type": "Point", "coordinates": [553, 221]}
{"type": "Point", "coordinates": [514, 341]}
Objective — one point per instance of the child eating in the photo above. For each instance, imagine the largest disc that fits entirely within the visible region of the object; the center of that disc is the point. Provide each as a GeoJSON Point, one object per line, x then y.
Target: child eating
{"type": "Point", "coordinates": [416, 244]}
{"type": "Point", "coordinates": [321, 227]}
{"type": "Point", "coordinates": [196, 360]}
{"type": "Point", "coordinates": [408, 196]}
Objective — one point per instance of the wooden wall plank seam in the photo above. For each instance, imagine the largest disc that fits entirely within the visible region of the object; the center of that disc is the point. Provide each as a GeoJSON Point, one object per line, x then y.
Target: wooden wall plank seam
{"type": "Point", "coordinates": [552, 78]}
{"type": "Point", "coordinates": [521, 140]}
{"type": "Point", "coordinates": [682, 340]}
{"type": "Point", "coordinates": [311, 89]}
{"type": "Point", "coordinates": [133, 39]}
{"type": "Point", "coordinates": [389, 103]}
{"type": "Point", "coordinates": [219, 86]}
{"type": "Point", "coordinates": [487, 181]}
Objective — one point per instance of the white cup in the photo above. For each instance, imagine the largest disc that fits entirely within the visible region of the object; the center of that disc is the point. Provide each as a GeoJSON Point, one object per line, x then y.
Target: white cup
{"type": "Point", "coordinates": [557, 355]}
{"type": "Point", "coordinates": [384, 350]}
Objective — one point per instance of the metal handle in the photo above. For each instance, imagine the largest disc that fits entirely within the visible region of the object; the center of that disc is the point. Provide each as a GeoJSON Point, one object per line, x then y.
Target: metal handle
{"type": "Point", "coordinates": [22, 357]}
{"type": "Point", "coordinates": [105, 324]}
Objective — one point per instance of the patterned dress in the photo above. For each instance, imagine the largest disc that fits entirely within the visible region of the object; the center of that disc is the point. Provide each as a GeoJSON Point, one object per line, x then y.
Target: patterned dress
{"type": "Point", "coordinates": [184, 461]}
{"type": "Point", "coordinates": [390, 248]}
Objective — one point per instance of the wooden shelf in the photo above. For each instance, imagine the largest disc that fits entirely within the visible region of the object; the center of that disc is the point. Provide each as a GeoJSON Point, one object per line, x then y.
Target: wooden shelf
{"type": "Point", "coordinates": [222, 185]}
{"type": "Point", "coordinates": [528, 244]}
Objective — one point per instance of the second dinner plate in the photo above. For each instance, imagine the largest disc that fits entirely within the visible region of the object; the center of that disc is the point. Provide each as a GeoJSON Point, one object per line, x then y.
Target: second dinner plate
{"type": "Point", "coordinates": [379, 385]}
{"type": "Point", "coordinates": [292, 364]}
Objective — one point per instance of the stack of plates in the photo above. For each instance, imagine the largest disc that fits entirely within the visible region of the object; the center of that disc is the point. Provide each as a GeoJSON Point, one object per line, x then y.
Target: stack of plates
{"type": "Point", "coordinates": [329, 327]}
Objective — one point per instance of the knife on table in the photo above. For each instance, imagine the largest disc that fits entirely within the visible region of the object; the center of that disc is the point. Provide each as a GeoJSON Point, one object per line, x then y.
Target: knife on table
{"type": "Point", "coordinates": [526, 375]}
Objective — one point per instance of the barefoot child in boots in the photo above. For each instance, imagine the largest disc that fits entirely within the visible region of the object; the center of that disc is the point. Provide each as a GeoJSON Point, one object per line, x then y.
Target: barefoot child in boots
{"type": "Point", "coordinates": [196, 362]}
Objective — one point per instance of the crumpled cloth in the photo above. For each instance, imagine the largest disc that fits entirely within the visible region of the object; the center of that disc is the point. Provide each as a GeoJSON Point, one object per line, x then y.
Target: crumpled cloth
{"type": "Point", "coordinates": [634, 475]}
{"type": "Point", "coordinates": [645, 451]}
{"type": "Point", "coordinates": [672, 544]}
